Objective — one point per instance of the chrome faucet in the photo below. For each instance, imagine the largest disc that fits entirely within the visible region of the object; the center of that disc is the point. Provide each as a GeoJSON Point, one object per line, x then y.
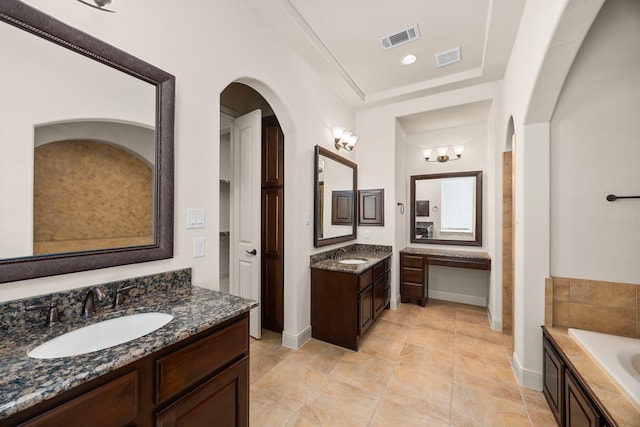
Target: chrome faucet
{"type": "Point", "coordinates": [338, 253]}
{"type": "Point", "coordinates": [89, 306]}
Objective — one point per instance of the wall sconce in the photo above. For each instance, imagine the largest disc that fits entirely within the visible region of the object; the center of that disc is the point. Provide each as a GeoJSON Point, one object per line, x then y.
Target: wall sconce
{"type": "Point", "coordinates": [442, 153]}
{"type": "Point", "coordinates": [344, 138]}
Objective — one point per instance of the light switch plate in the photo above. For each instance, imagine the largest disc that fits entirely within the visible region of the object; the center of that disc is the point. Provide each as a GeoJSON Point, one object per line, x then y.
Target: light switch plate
{"type": "Point", "coordinates": [198, 247]}
{"type": "Point", "coordinates": [195, 218]}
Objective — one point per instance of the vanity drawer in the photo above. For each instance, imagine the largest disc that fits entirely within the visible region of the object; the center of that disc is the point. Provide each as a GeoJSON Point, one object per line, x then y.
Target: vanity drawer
{"type": "Point", "coordinates": [112, 404]}
{"type": "Point", "coordinates": [191, 364]}
{"type": "Point", "coordinates": [365, 279]}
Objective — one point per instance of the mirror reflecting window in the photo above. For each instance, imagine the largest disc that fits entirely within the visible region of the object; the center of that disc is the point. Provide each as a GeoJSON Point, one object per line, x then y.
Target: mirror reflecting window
{"type": "Point", "coordinates": [446, 208]}
{"type": "Point", "coordinates": [335, 203]}
{"type": "Point", "coordinates": [86, 151]}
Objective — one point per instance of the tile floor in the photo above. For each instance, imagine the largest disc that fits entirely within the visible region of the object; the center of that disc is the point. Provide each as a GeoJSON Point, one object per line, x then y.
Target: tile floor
{"type": "Point", "coordinates": [440, 365]}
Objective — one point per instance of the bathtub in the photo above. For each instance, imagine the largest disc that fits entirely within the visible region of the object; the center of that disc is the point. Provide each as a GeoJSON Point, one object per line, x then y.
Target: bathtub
{"type": "Point", "coordinates": [619, 356]}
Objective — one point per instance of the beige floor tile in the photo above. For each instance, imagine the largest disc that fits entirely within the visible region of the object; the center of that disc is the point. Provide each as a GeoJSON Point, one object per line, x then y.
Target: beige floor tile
{"type": "Point", "coordinates": [288, 385]}
{"type": "Point", "coordinates": [417, 366]}
{"type": "Point", "coordinates": [317, 355]}
{"type": "Point", "coordinates": [542, 418]}
{"type": "Point", "coordinates": [382, 348]}
{"type": "Point", "coordinates": [364, 371]}
{"type": "Point", "coordinates": [432, 338]}
{"type": "Point", "coordinates": [429, 395]}
{"type": "Point", "coordinates": [389, 413]}
{"type": "Point", "coordinates": [474, 407]}
{"type": "Point", "coordinates": [401, 316]}
{"type": "Point", "coordinates": [266, 415]}
{"type": "Point", "coordinates": [384, 329]}
{"type": "Point", "coordinates": [477, 331]}
{"type": "Point", "coordinates": [260, 363]}
{"type": "Point", "coordinates": [339, 404]}
{"type": "Point", "coordinates": [427, 361]}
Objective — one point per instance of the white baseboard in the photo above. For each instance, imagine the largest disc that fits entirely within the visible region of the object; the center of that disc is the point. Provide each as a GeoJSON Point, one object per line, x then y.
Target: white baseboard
{"type": "Point", "coordinates": [463, 299]}
{"type": "Point", "coordinates": [296, 341]}
{"type": "Point", "coordinates": [526, 377]}
{"type": "Point", "coordinates": [494, 323]}
{"type": "Point", "coordinates": [395, 303]}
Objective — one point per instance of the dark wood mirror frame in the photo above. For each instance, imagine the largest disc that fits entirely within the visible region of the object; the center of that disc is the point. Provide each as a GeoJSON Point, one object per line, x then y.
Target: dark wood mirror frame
{"type": "Point", "coordinates": [478, 207]}
{"type": "Point", "coordinates": [317, 241]}
{"type": "Point", "coordinates": [24, 17]}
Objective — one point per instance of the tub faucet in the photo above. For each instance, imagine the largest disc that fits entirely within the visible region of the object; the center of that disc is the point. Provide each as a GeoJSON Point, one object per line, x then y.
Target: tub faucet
{"type": "Point", "coordinates": [338, 253]}
{"type": "Point", "coordinates": [89, 306]}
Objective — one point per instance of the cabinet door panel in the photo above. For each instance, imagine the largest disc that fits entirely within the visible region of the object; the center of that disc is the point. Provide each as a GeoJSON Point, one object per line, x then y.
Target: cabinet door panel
{"type": "Point", "coordinates": [222, 401]}
{"type": "Point", "coordinates": [112, 404]}
{"type": "Point", "coordinates": [553, 380]}
{"type": "Point", "coordinates": [378, 296]}
{"type": "Point", "coordinates": [365, 310]}
{"type": "Point", "coordinates": [579, 412]}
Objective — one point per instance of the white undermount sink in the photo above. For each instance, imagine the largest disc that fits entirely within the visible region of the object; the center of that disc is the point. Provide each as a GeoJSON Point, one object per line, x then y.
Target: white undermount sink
{"type": "Point", "coordinates": [101, 335]}
{"type": "Point", "coordinates": [352, 261]}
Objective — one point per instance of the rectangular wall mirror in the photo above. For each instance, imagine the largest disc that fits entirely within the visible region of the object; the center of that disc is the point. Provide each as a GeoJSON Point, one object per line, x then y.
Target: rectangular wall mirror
{"type": "Point", "coordinates": [86, 151]}
{"type": "Point", "coordinates": [335, 187]}
{"type": "Point", "coordinates": [446, 208]}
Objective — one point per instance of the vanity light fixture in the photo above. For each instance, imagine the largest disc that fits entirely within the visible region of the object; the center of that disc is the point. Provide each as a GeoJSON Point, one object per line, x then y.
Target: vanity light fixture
{"type": "Point", "coordinates": [343, 138]}
{"type": "Point", "coordinates": [442, 154]}
{"type": "Point", "coordinates": [99, 4]}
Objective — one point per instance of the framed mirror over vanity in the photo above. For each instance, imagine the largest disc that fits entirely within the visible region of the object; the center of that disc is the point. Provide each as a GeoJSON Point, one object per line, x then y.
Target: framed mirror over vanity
{"type": "Point", "coordinates": [446, 208]}
{"type": "Point", "coordinates": [84, 126]}
{"type": "Point", "coordinates": [335, 187]}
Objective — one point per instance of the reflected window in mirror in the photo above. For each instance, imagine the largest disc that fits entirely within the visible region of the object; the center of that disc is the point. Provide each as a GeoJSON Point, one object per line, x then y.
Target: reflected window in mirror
{"type": "Point", "coordinates": [447, 208]}
{"type": "Point", "coordinates": [334, 201]}
{"type": "Point", "coordinates": [86, 127]}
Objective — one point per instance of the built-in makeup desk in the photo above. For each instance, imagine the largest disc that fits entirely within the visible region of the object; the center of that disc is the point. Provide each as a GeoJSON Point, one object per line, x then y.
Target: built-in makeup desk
{"type": "Point", "coordinates": [414, 269]}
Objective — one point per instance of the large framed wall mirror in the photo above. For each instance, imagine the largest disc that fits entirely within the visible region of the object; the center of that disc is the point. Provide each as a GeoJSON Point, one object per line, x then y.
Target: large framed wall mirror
{"type": "Point", "coordinates": [86, 151]}
{"type": "Point", "coordinates": [446, 208]}
{"type": "Point", "coordinates": [335, 189]}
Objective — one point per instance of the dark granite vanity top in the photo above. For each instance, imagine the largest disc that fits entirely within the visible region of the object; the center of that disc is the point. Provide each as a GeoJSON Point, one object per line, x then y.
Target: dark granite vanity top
{"type": "Point", "coordinates": [371, 253]}
{"type": "Point", "coordinates": [446, 252]}
{"type": "Point", "coordinates": [26, 381]}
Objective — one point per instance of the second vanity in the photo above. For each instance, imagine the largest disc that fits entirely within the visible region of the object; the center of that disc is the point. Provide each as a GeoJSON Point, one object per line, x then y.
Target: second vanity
{"type": "Point", "coordinates": [347, 297]}
{"type": "Point", "coordinates": [193, 370]}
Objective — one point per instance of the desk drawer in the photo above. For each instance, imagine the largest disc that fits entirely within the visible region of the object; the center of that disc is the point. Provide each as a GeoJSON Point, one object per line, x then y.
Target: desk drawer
{"type": "Point", "coordinates": [412, 275]}
{"type": "Point", "coordinates": [410, 290]}
{"type": "Point", "coordinates": [414, 261]}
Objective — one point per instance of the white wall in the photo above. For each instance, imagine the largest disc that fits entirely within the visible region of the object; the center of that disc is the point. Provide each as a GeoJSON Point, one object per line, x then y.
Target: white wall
{"type": "Point", "coordinates": [193, 43]}
{"type": "Point", "coordinates": [594, 152]}
{"type": "Point", "coordinates": [383, 144]}
{"type": "Point", "coordinates": [550, 34]}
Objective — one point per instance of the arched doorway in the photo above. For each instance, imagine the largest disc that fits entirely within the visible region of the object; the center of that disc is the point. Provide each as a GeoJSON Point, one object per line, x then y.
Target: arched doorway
{"type": "Point", "coordinates": [237, 102]}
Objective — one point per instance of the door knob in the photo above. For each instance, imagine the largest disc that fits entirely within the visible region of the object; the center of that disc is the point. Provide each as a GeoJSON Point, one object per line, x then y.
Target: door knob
{"type": "Point", "coordinates": [252, 252]}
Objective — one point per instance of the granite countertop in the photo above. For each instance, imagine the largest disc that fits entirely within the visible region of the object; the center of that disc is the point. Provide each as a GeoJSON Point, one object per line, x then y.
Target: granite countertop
{"type": "Point", "coordinates": [619, 407]}
{"type": "Point", "coordinates": [26, 381]}
{"type": "Point", "coordinates": [446, 252]}
{"type": "Point", "coordinates": [372, 254]}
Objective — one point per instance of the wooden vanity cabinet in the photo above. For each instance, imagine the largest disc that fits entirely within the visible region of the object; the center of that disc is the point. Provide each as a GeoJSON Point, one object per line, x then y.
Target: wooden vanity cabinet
{"type": "Point", "coordinates": [202, 378]}
{"type": "Point", "coordinates": [344, 305]}
{"type": "Point", "coordinates": [569, 401]}
{"type": "Point", "coordinates": [414, 284]}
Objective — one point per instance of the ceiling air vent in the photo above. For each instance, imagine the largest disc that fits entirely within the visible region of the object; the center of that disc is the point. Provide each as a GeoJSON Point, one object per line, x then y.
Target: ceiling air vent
{"type": "Point", "coordinates": [401, 37]}
{"type": "Point", "coordinates": [448, 57]}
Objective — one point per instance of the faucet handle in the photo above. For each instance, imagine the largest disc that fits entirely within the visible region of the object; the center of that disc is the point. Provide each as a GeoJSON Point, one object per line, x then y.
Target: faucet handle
{"type": "Point", "coordinates": [118, 299]}
{"type": "Point", "coordinates": [53, 316]}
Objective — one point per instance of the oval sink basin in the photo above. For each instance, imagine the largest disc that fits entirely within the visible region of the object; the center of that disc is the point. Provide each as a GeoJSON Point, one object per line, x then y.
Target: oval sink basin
{"type": "Point", "coordinates": [101, 335]}
{"type": "Point", "coordinates": [352, 261]}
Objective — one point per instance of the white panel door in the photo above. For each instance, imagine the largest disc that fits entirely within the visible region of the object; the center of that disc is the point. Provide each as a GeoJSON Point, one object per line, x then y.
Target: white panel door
{"type": "Point", "coordinates": [246, 229]}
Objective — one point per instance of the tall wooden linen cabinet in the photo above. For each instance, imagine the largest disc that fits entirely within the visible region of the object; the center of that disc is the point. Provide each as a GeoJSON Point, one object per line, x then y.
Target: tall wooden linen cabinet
{"type": "Point", "coordinates": [272, 225]}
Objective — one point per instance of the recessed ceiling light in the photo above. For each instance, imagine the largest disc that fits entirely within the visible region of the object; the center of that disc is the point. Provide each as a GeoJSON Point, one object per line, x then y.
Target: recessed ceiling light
{"type": "Point", "coordinates": [409, 59]}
